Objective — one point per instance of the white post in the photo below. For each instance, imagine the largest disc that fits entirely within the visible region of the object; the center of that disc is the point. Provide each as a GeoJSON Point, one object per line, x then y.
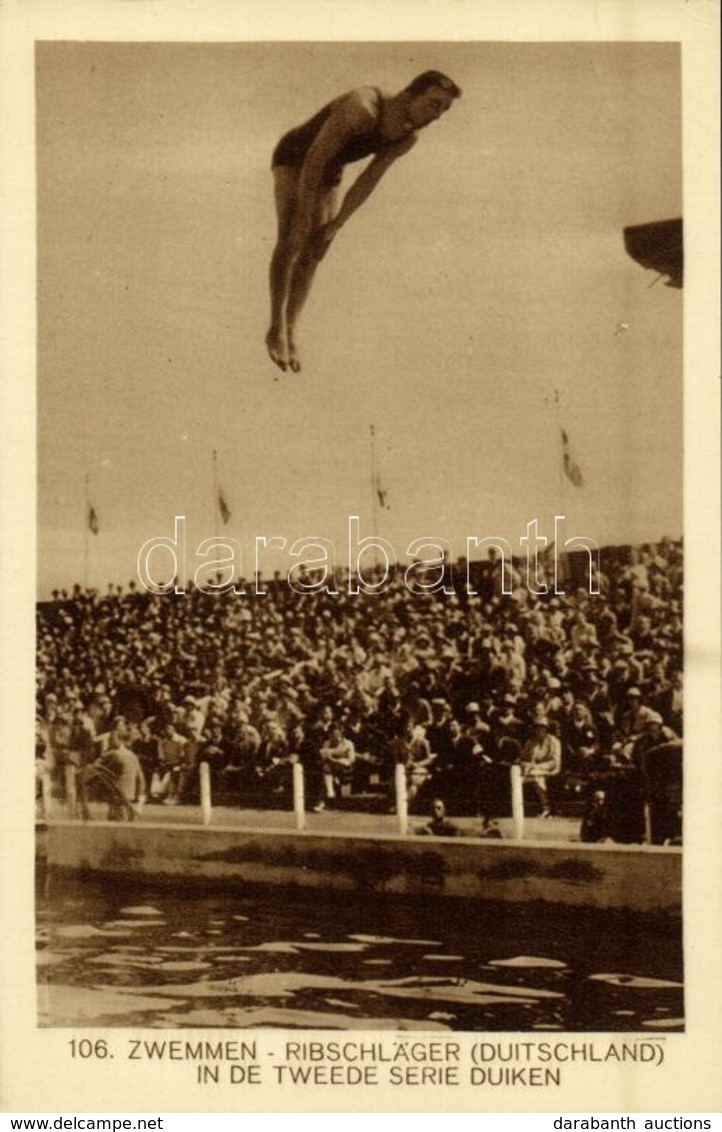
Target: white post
{"type": "Point", "coordinates": [47, 794]}
{"type": "Point", "coordinates": [647, 822]}
{"type": "Point", "coordinates": [517, 802]}
{"type": "Point", "coordinates": [206, 805]}
{"type": "Point", "coordinates": [299, 806]}
{"type": "Point", "coordinates": [71, 793]}
{"type": "Point", "coordinates": [402, 802]}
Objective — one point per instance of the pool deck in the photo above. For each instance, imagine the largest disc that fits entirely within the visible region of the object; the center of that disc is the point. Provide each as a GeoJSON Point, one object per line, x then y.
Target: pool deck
{"type": "Point", "coordinates": [348, 821]}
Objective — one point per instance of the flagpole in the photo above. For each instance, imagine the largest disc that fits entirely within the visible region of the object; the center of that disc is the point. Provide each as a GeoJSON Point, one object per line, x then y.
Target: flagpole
{"type": "Point", "coordinates": [560, 553]}
{"type": "Point", "coordinates": [86, 533]}
{"type": "Point", "coordinates": [216, 497]}
{"type": "Point", "coordinates": [560, 463]}
{"type": "Point", "coordinates": [374, 486]}
{"type": "Point", "coordinates": [216, 506]}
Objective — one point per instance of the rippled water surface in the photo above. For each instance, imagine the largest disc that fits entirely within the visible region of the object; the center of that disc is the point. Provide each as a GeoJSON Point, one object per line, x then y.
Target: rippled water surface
{"type": "Point", "coordinates": [111, 955]}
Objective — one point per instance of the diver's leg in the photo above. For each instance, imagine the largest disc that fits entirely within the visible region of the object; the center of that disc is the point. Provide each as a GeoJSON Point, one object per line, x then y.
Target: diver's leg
{"type": "Point", "coordinates": [304, 269]}
{"type": "Point", "coordinates": [282, 262]}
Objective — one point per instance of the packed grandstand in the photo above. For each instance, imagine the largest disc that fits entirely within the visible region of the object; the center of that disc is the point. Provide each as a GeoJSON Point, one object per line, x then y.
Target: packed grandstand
{"type": "Point", "coordinates": [454, 685]}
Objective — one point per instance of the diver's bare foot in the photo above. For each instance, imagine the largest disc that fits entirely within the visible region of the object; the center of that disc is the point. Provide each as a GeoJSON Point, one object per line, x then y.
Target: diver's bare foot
{"type": "Point", "coordinates": [294, 361]}
{"type": "Point", "coordinates": [277, 349]}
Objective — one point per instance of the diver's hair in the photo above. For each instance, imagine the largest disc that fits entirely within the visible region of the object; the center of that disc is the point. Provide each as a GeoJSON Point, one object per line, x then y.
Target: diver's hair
{"type": "Point", "coordinates": [428, 79]}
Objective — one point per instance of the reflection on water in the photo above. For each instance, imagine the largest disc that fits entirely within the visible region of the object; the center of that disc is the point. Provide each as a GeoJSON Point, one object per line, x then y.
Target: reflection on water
{"type": "Point", "coordinates": [111, 955]}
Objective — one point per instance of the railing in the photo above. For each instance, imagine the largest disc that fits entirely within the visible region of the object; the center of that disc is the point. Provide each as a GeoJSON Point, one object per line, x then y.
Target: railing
{"type": "Point", "coordinates": [400, 794]}
{"type": "Point", "coordinates": [76, 783]}
{"type": "Point", "coordinates": [81, 793]}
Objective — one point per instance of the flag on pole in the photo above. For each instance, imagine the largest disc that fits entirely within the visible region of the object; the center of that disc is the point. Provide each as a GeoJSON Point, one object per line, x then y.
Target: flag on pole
{"type": "Point", "coordinates": [381, 494]}
{"type": "Point", "coordinates": [571, 468]}
{"type": "Point", "coordinates": [223, 507]}
{"type": "Point", "coordinates": [93, 524]}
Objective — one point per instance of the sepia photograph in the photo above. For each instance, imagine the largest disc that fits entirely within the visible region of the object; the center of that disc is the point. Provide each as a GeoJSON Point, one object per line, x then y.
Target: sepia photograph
{"type": "Point", "coordinates": [361, 549]}
{"type": "Point", "coordinates": [360, 560]}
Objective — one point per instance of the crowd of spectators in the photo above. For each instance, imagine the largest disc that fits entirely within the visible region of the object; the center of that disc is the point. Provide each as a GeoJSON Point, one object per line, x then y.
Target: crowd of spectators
{"type": "Point", "coordinates": [577, 687]}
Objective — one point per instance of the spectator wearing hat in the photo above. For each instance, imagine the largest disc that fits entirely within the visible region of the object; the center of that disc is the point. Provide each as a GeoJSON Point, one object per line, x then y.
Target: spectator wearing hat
{"type": "Point", "coordinates": [561, 716]}
{"type": "Point", "coordinates": [507, 723]}
{"type": "Point", "coordinates": [582, 634]}
{"type": "Point", "coordinates": [581, 748]}
{"type": "Point", "coordinates": [514, 664]}
{"type": "Point", "coordinates": [474, 724]}
{"type": "Point", "coordinates": [602, 713]}
{"type": "Point", "coordinates": [657, 754]}
{"type": "Point", "coordinates": [632, 718]}
{"type": "Point", "coordinates": [339, 757]}
{"type": "Point", "coordinates": [191, 719]}
{"type": "Point", "coordinates": [440, 734]}
{"type": "Point", "coordinates": [653, 734]}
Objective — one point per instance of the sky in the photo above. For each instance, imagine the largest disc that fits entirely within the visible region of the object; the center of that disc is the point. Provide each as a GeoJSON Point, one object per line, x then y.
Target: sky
{"type": "Point", "coordinates": [486, 273]}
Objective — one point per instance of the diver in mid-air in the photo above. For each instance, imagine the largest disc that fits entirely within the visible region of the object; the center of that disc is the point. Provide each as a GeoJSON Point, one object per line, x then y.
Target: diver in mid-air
{"type": "Point", "coordinates": [308, 165]}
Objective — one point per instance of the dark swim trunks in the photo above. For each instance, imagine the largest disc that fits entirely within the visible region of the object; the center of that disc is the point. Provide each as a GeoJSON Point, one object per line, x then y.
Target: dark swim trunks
{"type": "Point", "coordinates": [292, 148]}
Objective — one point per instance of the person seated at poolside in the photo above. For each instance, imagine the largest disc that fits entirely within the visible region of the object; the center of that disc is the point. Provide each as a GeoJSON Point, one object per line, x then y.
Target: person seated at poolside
{"type": "Point", "coordinates": [541, 759]}
{"type": "Point", "coordinates": [58, 752]}
{"type": "Point", "coordinates": [213, 752]}
{"type": "Point", "coordinates": [462, 778]}
{"type": "Point", "coordinates": [144, 744]}
{"type": "Point", "coordinates": [368, 768]}
{"type": "Point", "coordinates": [338, 756]}
{"type": "Point", "coordinates": [581, 750]}
{"type": "Point", "coordinates": [41, 768]}
{"type": "Point", "coordinates": [489, 828]}
{"type": "Point", "coordinates": [438, 825]}
{"type": "Point", "coordinates": [124, 765]}
{"type": "Point", "coordinates": [419, 758]}
{"type": "Point", "coordinates": [274, 762]}
{"type": "Point", "coordinates": [242, 747]}
{"type": "Point", "coordinates": [597, 821]}
{"type": "Point", "coordinates": [165, 781]}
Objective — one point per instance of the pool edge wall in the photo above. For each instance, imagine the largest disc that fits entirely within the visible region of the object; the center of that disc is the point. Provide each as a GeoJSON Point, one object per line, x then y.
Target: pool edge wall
{"type": "Point", "coordinates": [644, 879]}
